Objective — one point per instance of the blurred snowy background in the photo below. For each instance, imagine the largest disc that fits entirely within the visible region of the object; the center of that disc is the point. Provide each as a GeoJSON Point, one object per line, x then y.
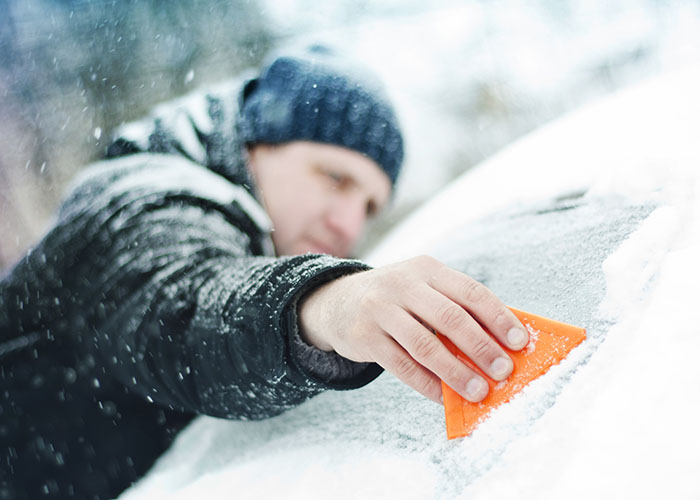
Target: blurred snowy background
{"type": "Point", "coordinates": [468, 77]}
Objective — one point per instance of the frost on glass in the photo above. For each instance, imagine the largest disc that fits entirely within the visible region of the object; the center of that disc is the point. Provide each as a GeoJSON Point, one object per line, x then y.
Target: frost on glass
{"type": "Point", "coordinates": [546, 258]}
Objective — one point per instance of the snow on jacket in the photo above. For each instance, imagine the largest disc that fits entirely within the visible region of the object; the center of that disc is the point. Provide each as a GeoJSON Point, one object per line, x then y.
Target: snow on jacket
{"type": "Point", "coordinates": [154, 297]}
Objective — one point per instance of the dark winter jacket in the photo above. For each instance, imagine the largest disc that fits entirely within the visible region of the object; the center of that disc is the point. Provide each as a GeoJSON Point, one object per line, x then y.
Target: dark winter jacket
{"type": "Point", "coordinates": [153, 298]}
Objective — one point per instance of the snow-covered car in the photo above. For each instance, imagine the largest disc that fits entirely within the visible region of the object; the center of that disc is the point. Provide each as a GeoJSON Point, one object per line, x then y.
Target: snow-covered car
{"type": "Point", "coordinates": [593, 220]}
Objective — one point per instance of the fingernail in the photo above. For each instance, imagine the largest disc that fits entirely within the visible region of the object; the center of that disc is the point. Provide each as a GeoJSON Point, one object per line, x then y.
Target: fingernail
{"type": "Point", "coordinates": [517, 337]}
{"type": "Point", "coordinates": [501, 368]}
{"type": "Point", "coordinates": [477, 389]}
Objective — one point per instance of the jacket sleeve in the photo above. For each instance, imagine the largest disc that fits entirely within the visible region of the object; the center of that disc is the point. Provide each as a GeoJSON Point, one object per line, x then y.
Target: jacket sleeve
{"type": "Point", "coordinates": [179, 310]}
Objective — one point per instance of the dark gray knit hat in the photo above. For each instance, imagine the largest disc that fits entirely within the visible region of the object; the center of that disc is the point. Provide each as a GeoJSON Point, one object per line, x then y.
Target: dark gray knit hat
{"type": "Point", "coordinates": [318, 97]}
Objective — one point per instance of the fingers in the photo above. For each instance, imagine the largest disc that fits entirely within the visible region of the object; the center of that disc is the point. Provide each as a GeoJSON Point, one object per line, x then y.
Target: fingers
{"type": "Point", "coordinates": [396, 360]}
{"type": "Point", "coordinates": [483, 305]}
{"type": "Point", "coordinates": [426, 349]}
{"type": "Point", "coordinates": [456, 324]}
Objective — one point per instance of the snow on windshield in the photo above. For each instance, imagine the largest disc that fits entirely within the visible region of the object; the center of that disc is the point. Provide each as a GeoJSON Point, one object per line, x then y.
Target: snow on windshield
{"type": "Point", "coordinates": [595, 220]}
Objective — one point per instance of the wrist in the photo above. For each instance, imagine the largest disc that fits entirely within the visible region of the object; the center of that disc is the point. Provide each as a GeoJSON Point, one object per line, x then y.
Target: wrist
{"type": "Point", "coordinates": [312, 312]}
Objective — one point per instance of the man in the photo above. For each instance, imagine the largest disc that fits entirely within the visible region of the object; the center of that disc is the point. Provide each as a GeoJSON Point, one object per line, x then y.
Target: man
{"type": "Point", "coordinates": [204, 270]}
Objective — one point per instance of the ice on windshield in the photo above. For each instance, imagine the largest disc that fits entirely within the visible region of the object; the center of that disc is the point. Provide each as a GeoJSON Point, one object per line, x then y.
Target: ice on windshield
{"type": "Point", "coordinates": [545, 258]}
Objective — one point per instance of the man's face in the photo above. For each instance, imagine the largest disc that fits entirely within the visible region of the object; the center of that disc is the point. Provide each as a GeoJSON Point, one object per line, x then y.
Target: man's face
{"type": "Point", "coordinates": [318, 196]}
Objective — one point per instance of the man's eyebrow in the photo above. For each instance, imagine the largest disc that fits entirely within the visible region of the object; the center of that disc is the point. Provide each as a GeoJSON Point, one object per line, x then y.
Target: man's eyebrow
{"type": "Point", "coordinates": [358, 181]}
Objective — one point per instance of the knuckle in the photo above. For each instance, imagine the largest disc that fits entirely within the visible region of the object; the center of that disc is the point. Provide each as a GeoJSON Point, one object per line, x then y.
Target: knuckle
{"type": "Point", "coordinates": [451, 316]}
{"type": "Point", "coordinates": [404, 367]}
{"type": "Point", "coordinates": [481, 348]}
{"type": "Point", "coordinates": [501, 321]}
{"type": "Point", "coordinates": [454, 373]}
{"type": "Point", "coordinates": [473, 292]}
{"type": "Point", "coordinates": [425, 385]}
{"type": "Point", "coordinates": [425, 347]}
{"type": "Point", "coordinates": [393, 279]}
{"type": "Point", "coordinates": [424, 260]}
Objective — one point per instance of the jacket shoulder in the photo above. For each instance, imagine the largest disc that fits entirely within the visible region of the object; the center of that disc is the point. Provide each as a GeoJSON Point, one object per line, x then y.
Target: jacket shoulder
{"type": "Point", "coordinates": [129, 179]}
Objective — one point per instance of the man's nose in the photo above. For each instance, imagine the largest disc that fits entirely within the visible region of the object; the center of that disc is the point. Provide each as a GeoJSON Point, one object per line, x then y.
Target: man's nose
{"type": "Point", "coordinates": [347, 219]}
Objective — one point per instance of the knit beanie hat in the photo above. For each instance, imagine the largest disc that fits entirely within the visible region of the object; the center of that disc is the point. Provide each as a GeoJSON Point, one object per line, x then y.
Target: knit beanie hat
{"type": "Point", "coordinates": [319, 97]}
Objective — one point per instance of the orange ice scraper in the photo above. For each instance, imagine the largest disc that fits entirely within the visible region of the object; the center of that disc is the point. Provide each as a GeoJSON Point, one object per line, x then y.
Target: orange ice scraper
{"type": "Point", "coordinates": [550, 342]}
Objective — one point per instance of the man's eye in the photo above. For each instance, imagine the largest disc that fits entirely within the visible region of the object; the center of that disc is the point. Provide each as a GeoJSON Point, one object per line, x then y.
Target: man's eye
{"type": "Point", "coordinates": [337, 179]}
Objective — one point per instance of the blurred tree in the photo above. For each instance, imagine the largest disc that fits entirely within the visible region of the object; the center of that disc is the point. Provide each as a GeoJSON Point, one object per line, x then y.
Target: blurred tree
{"type": "Point", "coordinates": [72, 70]}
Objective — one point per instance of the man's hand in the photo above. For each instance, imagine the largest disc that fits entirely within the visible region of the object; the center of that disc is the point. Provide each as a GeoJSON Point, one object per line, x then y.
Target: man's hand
{"type": "Point", "coordinates": [387, 315]}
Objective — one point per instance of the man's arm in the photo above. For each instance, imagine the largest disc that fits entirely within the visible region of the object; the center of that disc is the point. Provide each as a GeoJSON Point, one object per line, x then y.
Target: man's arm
{"type": "Point", "coordinates": [164, 291]}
